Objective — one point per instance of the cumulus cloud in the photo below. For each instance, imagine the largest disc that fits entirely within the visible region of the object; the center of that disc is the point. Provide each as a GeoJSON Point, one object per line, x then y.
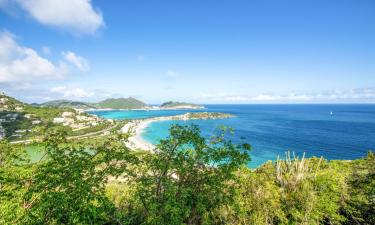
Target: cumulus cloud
{"type": "Point", "coordinates": [78, 61]}
{"type": "Point", "coordinates": [71, 92]}
{"type": "Point", "coordinates": [354, 95]}
{"type": "Point", "coordinates": [22, 64]}
{"type": "Point", "coordinates": [77, 16]}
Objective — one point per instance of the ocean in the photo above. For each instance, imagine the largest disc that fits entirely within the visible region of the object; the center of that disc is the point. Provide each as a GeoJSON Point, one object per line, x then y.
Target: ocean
{"type": "Point", "coordinates": [332, 131]}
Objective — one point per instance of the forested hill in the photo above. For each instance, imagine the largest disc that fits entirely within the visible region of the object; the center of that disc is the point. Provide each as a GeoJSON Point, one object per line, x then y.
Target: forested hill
{"type": "Point", "coordinates": [67, 104]}
{"type": "Point", "coordinates": [112, 103]}
{"type": "Point", "coordinates": [121, 103]}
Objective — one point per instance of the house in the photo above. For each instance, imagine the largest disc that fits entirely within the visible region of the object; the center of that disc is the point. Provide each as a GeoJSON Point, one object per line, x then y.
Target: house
{"type": "Point", "coordinates": [58, 120]}
{"type": "Point", "coordinates": [78, 126]}
{"type": "Point", "coordinates": [67, 114]}
{"type": "Point", "coordinates": [82, 118]}
{"type": "Point", "coordinates": [68, 121]}
{"type": "Point", "coordinates": [35, 122]}
{"type": "Point", "coordinates": [20, 131]}
{"type": "Point", "coordinates": [3, 100]}
{"type": "Point", "coordinates": [79, 111]}
{"type": "Point", "coordinates": [29, 116]}
{"type": "Point", "coordinates": [2, 133]}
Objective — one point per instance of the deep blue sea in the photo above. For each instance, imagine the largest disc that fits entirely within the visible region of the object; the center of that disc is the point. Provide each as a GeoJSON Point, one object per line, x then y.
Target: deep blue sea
{"type": "Point", "coordinates": [347, 133]}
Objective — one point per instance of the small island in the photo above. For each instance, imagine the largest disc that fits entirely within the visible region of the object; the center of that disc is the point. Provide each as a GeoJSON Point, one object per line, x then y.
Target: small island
{"type": "Point", "coordinates": [180, 105]}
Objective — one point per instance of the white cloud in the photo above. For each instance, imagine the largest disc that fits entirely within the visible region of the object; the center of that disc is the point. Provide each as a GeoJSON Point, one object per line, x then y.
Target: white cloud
{"type": "Point", "coordinates": [78, 61]}
{"type": "Point", "coordinates": [69, 92]}
{"type": "Point", "coordinates": [77, 16]}
{"type": "Point", "coordinates": [172, 74]}
{"type": "Point", "coordinates": [22, 64]}
{"type": "Point", "coordinates": [354, 95]}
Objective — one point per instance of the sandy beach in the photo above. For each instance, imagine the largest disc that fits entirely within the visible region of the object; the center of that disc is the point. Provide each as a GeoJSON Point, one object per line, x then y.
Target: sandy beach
{"type": "Point", "coordinates": [136, 127]}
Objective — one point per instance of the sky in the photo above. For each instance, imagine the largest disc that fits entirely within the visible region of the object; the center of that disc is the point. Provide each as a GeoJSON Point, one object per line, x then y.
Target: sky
{"type": "Point", "coordinates": [201, 51]}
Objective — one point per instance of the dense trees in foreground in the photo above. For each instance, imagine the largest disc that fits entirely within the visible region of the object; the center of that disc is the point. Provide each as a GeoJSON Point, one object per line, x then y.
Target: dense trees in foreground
{"type": "Point", "coordinates": [188, 180]}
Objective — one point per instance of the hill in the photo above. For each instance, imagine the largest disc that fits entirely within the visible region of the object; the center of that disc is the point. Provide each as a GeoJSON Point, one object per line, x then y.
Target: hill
{"type": "Point", "coordinates": [112, 103]}
{"type": "Point", "coordinates": [21, 121]}
{"type": "Point", "coordinates": [180, 105]}
{"type": "Point", "coordinates": [121, 103]}
{"type": "Point", "coordinates": [67, 104]}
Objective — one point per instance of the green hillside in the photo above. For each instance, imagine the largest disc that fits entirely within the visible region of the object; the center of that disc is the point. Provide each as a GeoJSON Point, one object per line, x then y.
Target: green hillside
{"type": "Point", "coordinates": [68, 104]}
{"type": "Point", "coordinates": [121, 103]}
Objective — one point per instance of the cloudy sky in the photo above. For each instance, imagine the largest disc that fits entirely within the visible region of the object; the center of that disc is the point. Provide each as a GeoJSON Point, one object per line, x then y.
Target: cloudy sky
{"type": "Point", "coordinates": [203, 51]}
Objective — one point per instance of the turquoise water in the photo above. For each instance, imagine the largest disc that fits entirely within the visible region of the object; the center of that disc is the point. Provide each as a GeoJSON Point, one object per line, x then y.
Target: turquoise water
{"type": "Point", "coordinates": [273, 129]}
{"type": "Point", "coordinates": [139, 114]}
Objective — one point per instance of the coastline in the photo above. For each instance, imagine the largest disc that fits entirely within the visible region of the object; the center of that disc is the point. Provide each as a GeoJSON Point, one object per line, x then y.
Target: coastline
{"type": "Point", "coordinates": [137, 127]}
{"type": "Point", "coordinates": [147, 109]}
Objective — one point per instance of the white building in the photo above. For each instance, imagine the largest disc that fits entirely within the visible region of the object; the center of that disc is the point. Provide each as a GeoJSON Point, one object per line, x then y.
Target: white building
{"type": "Point", "coordinates": [29, 116]}
{"type": "Point", "coordinates": [67, 114]}
{"type": "Point", "coordinates": [68, 121]}
{"type": "Point", "coordinates": [79, 111]}
{"type": "Point", "coordinates": [58, 120]}
{"type": "Point", "coordinates": [20, 131]}
{"type": "Point", "coordinates": [2, 132]}
{"type": "Point", "coordinates": [82, 118]}
{"type": "Point", "coordinates": [34, 122]}
{"type": "Point", "coordinates": [3, 100]}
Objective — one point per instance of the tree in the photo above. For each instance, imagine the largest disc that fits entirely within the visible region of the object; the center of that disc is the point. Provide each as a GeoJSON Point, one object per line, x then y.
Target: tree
{"type": "Point", "coordinates": [360, 207]}
{"type": "Point", "coordinates": [187, 177]}
{"type": "Point", "coordinates": [13, 175]}
{"type": "Point", "coordinates": [68, 187]}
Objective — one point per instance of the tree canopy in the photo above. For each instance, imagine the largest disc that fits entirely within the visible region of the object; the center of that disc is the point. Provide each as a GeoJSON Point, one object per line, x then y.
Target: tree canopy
{"type": "Point", "coordinates": [187, 179]}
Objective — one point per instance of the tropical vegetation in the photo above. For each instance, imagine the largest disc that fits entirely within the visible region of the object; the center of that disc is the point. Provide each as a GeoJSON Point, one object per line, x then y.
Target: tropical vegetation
{"type": "Point", "coordinates": [187, 180]}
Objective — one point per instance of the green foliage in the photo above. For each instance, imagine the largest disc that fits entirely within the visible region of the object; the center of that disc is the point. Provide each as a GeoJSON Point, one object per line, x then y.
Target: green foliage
{"type": "Point", "coordinates": [360, 207]}
{"type": "Point", "coordinates": [186, 177]}
{"type": "Point", "coordinates": [186, 180]}
{"type": "Point", "coordinates": [68, 187]}
{"type": "Point", "coordinates": [13, 177]}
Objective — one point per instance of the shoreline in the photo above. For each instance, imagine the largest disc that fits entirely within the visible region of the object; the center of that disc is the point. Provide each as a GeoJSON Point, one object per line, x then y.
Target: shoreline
{"type": "Point", "coordinates": [146, 109]}
{"type": "Point", "coordinates": [137, 127]}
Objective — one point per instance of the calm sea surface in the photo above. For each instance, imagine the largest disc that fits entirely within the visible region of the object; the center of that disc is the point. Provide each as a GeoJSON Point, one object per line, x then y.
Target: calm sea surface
{"type": "Point", "coordinates": [346, 133]}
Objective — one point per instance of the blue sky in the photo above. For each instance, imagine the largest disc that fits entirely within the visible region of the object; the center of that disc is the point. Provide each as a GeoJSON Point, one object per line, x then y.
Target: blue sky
{"type": "Point", "coordinates": [204, 51]}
